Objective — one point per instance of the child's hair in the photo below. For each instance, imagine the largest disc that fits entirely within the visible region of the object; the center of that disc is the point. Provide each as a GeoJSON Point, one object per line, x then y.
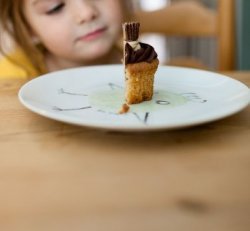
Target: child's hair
{"type": "Point", "coordinates": [13, 22]}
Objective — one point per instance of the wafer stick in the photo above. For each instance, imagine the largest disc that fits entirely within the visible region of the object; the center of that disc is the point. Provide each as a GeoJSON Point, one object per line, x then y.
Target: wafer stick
{"type": "Point", "coordinates": [131, 31]}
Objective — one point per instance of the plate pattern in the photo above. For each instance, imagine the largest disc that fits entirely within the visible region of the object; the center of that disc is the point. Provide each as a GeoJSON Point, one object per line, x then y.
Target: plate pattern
{"type": "Point", "coordinates": [93, 96]}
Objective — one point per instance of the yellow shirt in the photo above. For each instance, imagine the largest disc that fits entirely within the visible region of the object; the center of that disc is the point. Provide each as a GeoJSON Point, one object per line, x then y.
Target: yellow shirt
{"type": "Point", "coordinates": [9, 69]}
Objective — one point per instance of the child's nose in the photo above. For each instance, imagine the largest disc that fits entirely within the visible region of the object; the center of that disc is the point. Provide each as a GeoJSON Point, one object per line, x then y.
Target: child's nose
{"type": "Point", "coordinates": [84, 11]}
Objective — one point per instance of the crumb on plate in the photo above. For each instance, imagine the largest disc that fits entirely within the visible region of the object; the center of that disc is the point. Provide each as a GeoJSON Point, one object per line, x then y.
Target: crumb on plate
{"type": "Point", "coordinates": [124, 109]}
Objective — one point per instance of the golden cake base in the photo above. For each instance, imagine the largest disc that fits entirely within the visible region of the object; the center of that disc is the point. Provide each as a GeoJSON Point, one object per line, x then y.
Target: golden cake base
{"type": "Point", "coordinates": [140, 81]}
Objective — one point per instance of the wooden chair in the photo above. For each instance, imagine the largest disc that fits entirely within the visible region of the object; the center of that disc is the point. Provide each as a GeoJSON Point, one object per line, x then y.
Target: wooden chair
{"type": "Point", "coordinates": [193, 19]}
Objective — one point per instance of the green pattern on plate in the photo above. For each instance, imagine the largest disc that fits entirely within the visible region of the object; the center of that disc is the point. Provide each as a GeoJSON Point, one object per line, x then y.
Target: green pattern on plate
{"type": "Point", "coordinates": [111, 101]}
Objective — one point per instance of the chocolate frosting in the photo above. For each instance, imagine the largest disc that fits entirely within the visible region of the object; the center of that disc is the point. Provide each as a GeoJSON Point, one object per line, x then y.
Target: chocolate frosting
{"type": "Point", "coordinates": [145, 54]}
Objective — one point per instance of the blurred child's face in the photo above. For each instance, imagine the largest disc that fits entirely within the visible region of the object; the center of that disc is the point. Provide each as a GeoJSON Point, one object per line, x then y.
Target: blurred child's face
{"type": "Point", "coordinates": [75, 30]}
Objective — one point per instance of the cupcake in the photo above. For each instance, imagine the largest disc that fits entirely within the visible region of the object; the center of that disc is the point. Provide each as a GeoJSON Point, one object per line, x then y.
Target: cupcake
{"type": "Point", "coordinates": [140, 64]}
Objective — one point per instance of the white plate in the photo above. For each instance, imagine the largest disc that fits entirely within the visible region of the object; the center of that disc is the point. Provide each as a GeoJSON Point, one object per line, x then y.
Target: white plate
{"type": "Point", "coordinates": [92, 96]}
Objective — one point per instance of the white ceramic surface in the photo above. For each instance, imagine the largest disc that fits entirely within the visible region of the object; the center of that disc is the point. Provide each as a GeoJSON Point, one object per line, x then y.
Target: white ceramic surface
{"type": "Point", "coordinates": [93, 96]}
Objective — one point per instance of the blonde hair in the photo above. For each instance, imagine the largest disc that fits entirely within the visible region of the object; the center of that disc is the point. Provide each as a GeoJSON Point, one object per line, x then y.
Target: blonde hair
{"type": "Point", "coordinates": [14, 23]}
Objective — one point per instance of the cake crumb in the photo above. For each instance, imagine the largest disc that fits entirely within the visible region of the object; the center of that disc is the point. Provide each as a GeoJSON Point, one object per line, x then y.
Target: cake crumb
{"type": "Point", "coordinates": [124, 109]}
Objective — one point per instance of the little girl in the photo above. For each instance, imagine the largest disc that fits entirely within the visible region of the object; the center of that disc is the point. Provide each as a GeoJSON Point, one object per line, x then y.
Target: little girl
{"type": "Point", "coordinates": [51, 35]}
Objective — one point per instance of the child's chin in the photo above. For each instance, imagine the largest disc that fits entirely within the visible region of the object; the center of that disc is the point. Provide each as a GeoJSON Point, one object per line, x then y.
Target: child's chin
{"type": "Point", "coordinates": [99, 52]}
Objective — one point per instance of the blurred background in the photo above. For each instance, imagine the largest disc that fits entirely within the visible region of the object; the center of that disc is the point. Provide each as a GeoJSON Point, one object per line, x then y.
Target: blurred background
{"type": "Point", "coordinates": [203, 49]}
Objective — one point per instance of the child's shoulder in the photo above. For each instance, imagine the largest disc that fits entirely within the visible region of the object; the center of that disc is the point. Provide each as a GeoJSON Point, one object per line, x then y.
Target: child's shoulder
{"type": "Point", "coordinates": [9, 69]}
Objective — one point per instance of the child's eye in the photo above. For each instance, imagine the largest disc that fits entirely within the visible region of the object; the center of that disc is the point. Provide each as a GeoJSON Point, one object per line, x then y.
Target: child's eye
{"type": "Point", "coordinates": [56, 9]}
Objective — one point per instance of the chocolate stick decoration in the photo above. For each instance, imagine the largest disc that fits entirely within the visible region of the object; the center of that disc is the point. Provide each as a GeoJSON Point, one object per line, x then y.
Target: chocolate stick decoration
{"type": "Point", "coordinates": [131, 31]}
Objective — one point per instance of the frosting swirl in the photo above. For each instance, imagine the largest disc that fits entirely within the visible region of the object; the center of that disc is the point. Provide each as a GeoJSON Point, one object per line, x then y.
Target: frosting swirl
{"type": "Point", "coordinates": [146, 53]}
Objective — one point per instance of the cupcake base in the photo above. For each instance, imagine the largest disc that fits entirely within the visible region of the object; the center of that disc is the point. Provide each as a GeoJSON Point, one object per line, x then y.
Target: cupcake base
{"type": "Point", "coordinates": [140, 81]}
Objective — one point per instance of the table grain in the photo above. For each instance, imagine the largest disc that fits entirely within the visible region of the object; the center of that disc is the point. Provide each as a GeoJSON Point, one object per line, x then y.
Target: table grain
{"type": "Point", "coordinates": [55, 176]}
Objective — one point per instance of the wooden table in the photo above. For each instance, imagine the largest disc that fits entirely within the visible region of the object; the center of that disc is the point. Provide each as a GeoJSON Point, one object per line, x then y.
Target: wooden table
{"type": "Point", "coordinates": [55, 176]}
